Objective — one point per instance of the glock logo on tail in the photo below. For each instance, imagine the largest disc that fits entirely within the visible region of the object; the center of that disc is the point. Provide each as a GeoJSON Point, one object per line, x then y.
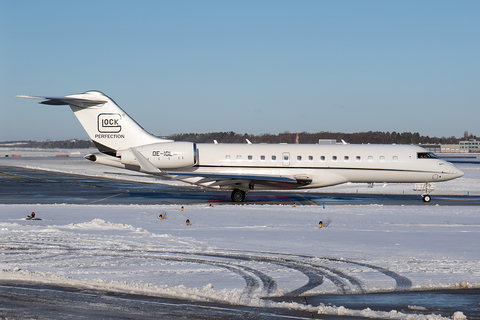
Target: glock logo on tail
{"type": "Point", "coordinates": [109, 123]}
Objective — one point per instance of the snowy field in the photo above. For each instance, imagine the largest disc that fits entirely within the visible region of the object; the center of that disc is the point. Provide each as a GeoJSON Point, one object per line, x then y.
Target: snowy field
{"type": "Point", "coordinates": [242, 254]}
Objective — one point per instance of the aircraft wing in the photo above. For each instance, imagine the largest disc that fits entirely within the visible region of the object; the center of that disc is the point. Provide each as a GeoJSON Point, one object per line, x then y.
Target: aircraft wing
{"type": "Point", "coordinates": [218, 179]}
{"type": "Point", "coordinates": [213, 179]}
{"type": "Point", "coordinates": [224, 179]}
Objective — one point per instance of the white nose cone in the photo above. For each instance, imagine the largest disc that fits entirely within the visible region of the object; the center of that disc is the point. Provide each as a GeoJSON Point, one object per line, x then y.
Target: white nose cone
{"type": "Point", "coordinates": [453, 172]}
{"type": "Point", "coordinates": [458, 173]}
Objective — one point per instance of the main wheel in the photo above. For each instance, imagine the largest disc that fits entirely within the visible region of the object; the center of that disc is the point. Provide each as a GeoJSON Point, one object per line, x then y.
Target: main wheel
{"type": "Point", "coordinates": [238, 195]}
{"type": "Point", "coordinates": [427, 198]}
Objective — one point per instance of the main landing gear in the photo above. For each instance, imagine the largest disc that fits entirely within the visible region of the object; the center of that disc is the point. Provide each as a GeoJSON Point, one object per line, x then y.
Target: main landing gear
{"type": "Point", "coordinates": [238, 195]}
{"type": "Point", "coordinates": [426, 198]}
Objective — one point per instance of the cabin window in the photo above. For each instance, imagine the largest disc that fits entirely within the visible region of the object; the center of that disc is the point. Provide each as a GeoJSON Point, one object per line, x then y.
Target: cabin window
{"type": "Point", "coordinates": [227, 157]}
{"type": "Point", "coordinates": [358, 158]}
{"type": "Point", "coordinates": [345, 158]}
{"type": "Point", "coordinates": [322, 158]}
{"type": "Point", "coordinates": [262, 158]}
{"type": "Point", "coordinates": [310, 158]}
{"type": "Point", "coordinates": [426, 155]}
{"type": "Point", "coordinates": [239, 157]}
{"type": "Point", "coordinates": [274, 158]}
{"type": "Point", "coordinates": [395, 159]}
{"type": "Point", "coordinates": [382, 158]}
{"type": "Point", "coordinates": [250, 158]}
{"type": "Point", "coordinates": [370, 159]}
{"type": "Point", "coordinates": [285, 157]}
{"type": "Point", "coordinates": [299, 158]}
{"type": "Point", "coordinates": [334, 158]}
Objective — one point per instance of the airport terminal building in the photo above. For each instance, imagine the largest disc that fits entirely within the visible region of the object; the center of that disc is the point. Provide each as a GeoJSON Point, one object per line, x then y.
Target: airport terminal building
{"type": "Point", "coordinates": [471, 145]}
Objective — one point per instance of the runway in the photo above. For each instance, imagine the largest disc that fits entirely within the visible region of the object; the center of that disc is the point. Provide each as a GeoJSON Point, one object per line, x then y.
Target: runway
{"type": "Point", "coordinates": [20, 185]}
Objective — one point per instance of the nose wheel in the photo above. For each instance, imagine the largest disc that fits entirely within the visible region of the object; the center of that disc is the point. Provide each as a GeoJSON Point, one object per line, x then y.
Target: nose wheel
{"type": "Point", "coordinates": [238, 195]}
{"type": "Point", "coordinates": [427, 198]}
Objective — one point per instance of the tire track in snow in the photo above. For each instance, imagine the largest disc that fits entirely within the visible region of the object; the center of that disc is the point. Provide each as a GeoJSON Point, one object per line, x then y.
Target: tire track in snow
{"type": "Point", "coordinates": [402, 283]}
{"type": "Point", "coordinates": [252, 283]}
{"type": "Point", "coordinates": [314, 271]}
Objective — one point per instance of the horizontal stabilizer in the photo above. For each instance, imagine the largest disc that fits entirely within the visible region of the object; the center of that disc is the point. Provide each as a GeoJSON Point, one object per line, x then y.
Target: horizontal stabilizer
{"type": "Point", "coordinates": [62, 101]}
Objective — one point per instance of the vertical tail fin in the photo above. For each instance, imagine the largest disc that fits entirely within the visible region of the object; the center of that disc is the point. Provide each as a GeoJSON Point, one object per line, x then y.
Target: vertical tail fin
{"type": "Point", "coordinates": [109, 127]}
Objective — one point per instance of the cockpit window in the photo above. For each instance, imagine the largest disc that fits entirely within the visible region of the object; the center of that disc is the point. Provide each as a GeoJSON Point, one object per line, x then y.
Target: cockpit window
{"type": "Point", "coordinates": [426, 155]}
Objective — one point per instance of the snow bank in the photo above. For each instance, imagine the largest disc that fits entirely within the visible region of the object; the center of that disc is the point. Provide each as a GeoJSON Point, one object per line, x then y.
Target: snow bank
{"type": "Point", "coordinates": [100, 224]}
{"type": "Point", "coordinates": [368, 313]}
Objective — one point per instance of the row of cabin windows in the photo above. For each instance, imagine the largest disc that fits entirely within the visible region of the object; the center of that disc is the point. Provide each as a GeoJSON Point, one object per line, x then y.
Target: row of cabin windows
{"type": "Point", "coordinates": [310, 158]}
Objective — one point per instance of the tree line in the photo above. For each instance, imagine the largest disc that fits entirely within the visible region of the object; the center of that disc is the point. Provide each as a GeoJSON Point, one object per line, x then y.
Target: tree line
{"type": "Point", "coordinates": [373, 137]}
{"type": "Point", "coordinates": [59, 144]}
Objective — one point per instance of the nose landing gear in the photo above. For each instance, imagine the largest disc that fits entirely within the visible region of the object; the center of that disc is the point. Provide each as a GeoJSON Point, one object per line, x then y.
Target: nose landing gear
{"type": "Point", "coordinates": [427, 198]}
{"type": "Point", "coordinates": [426, 189]}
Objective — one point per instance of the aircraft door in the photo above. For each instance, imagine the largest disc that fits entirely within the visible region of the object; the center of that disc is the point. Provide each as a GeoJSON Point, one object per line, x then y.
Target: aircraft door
{"type": "Point", "coordinates": [286, 159]}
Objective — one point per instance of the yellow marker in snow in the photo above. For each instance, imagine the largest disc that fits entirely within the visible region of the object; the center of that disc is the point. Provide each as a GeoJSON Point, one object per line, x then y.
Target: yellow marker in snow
{"type": "Point", "coordinates": [187, 222]}
{"type": "Point", "coordinates": [320, 224]}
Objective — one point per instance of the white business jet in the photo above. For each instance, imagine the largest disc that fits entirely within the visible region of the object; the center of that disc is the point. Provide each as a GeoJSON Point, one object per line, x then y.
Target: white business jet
{"type": "Point", "coordinates": [244, 167]}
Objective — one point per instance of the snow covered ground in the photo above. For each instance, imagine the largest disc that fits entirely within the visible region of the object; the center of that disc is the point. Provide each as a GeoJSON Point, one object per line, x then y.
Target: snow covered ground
{"type": "Point", "coordinates": [241, 254]}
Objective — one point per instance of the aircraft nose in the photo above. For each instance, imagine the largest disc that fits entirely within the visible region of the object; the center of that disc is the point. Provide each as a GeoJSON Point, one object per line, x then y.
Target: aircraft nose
{"type": "Point", "coordinates": [454, 172]}
{"type": "Point", "coordinates": [458, 173]}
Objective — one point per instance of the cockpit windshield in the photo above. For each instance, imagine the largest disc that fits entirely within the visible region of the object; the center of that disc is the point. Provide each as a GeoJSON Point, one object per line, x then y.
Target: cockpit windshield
{"type": "Point", "coordinates": [427, 155]}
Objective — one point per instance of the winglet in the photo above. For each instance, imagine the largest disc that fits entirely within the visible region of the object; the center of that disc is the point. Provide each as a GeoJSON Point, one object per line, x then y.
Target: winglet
{"type": "Point", "coordinates": [145, 165]}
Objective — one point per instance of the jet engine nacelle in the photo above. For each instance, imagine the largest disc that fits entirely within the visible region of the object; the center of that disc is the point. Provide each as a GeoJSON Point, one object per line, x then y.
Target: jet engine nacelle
{"type": "Point", "coordinates": [166, 155]}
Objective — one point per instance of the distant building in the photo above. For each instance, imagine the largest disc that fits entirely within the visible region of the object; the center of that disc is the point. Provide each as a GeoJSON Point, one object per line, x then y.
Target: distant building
{"type": "Point", "coordinates": [327, 141]}
{"type": "Point", "coordinates": [471, 145]}
{"type": "Point", "coordinates": [452, 148]}
{"type": "Point", "coordinates": [463, 147]}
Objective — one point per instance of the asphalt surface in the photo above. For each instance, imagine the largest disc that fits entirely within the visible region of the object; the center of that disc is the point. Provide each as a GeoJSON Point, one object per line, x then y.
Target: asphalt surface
{"type": "Point", "coordinates": [30, 186]}
{"type": "Point", "coordinates": [24, 300]}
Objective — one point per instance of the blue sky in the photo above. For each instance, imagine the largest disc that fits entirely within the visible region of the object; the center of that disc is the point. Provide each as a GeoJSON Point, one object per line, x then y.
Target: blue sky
{"type": "Point", "coordinates": [244, 66]}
